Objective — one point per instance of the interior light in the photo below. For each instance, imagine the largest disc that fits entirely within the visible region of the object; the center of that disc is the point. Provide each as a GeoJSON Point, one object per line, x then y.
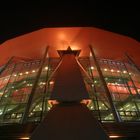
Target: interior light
{"type": "Point", "coordinates": [46, 68]}
{"type": "Point", "coordinates": [31, 114]}
{"type": "Point", "coordinates": [127, 105]}
{"type": "Point", "coordinates": [40, 83]}
{"type": "Point", "coordinates": [90, 54]}
{"type": "Point", "coordinates": [118, 71]}
{"type": "Point", "coordinates": [27, 72]}
{"type": "Point", "coordinates": [24, 138]}
{"type": "Point", "coordinates": [105, 69]}
{"type": "Point", "coordinates": [133, 107]}
{"type": "Point", "coordinates": [15, 75]}
{"type": "Point", "coordinates": [124, 71]}
{"type": "Point", "coordinates": [95, 81]}
{"type": "Point", "coordinates": [106, 78]}
{"type": "Point", "coordinates": [20, 74]}
{"type": "Point", "coordinates": [92, 67]}
{"type": "Point", "coordinates": [33, 71]}
{"type": "Point", "coordinates": [92, 85]}
{"type": "Point", "coordinates": [43, 83]}
{"type": "Point", "coordinates": [51, 82]}
{"type": "Point", "coordinates": [91, 107]}
{"type": "Point", "coordinates": [112, 70]}
{"type": "Point", "coordinates": [114, 136]}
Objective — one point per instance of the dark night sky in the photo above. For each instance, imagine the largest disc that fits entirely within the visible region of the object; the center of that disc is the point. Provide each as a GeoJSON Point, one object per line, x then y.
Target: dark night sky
{"type": "Point", "coordinates": [25, 16]}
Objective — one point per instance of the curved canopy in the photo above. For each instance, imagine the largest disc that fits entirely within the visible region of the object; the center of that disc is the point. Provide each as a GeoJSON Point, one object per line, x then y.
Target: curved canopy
{"type": "Point", "coordinates": [106, 44]}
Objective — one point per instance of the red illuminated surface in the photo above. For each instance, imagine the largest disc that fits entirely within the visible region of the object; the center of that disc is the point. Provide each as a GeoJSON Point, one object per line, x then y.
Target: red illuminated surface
{"type": "Point", "coordinates": [106, 44]}
{"type": "Point", "coordinates": [120, 89]}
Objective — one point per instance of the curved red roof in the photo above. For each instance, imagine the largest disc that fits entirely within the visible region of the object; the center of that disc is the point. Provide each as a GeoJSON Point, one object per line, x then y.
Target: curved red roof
{"type": "Point", "coordinates": [106, 44]}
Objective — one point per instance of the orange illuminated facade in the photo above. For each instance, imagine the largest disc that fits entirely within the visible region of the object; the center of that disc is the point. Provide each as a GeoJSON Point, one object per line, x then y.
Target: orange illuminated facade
{"type": "Point", "coordinates": [114, 71]}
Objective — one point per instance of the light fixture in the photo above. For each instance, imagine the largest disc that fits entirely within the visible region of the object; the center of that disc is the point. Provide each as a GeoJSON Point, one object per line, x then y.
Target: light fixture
{"type": "Point", "coordinates": [33, 71]}
{"type": "Point", "coordinates": [118, 71]}
{"type": "Point", "coordinates": [6, 96]}
{"type": "Point", "coordinates": [112, 70]}
{"type": "Point", "coordinates": [105, 69]}
{"type": "Point", "coordinates": [46, 68]}
{"type": "Point", "coordinates": [24, 138]}
{"type": "Point", "coordinates": [124, 71]}
{"type": "Point", "coordinates": [1, 93]}
{"type": "Point", "coordinates": [128, 105]}
{"type": "Point", "coordinates": [92, 68]}
{"type": "Point", "coordinates": [27, 72]}
{"type": "Point", "coordinates": [43, 83]}
{"type": "Point", "coordinates": [106, 78]}
{"type": "Point", "coordinates": [95, 81]}
{"type": "Point", "coordinates": [51, 82]}
{"type": "Point", "coordinates": [114, 136]}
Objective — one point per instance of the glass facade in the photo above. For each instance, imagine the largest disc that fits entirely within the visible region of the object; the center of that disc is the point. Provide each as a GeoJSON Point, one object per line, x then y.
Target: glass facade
{"type": "Point", "coordinates": [17, 81]}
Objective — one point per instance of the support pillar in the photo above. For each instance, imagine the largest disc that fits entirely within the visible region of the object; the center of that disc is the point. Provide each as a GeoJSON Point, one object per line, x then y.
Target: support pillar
{"type": "Point", "coordinates": [69, 119]}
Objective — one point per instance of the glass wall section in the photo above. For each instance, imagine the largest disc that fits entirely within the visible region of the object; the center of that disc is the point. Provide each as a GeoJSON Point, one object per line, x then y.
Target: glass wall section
{"type": "Point", "coordinates": [16, 91]}
{"type": "Point", "coordinates": [122, 80]}
{"type": "Point", "coordinates": [17, 81]}
{"type": "Point", "coordinates": [122, 88]}
{"type": "Point", "coordinates": [40, 105]}
{"type": "Point", "coordinates": [99, 102]}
